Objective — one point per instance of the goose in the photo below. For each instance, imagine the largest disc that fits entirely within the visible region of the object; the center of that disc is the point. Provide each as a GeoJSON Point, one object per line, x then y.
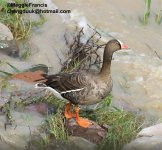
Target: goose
{"type": "Point", "coordinates": [82, 87]}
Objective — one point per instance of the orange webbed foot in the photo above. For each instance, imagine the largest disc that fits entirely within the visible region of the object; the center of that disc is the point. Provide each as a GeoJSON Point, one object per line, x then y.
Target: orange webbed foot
{"type": "Point", "coordinates": [85, 123]}
{"type": "Point", "coordinates": [68, 114]}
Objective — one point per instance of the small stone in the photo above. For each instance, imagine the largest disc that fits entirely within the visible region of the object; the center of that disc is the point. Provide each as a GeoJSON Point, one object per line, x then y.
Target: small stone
{"type": "Point", "coordinates": [5, 33]}
{"type": "Point", "coordinates": [73, 143]}
{"type": "Point", "coordinates": [7, 42]}
{"type": "Point", "coordinates": [145, 143]}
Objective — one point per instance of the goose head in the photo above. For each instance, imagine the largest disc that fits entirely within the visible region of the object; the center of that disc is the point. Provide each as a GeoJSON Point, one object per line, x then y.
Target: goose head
{"type": "Point", "coordinates": [110, 48]}
{"type": "Point", "coordinates": [115, 45]}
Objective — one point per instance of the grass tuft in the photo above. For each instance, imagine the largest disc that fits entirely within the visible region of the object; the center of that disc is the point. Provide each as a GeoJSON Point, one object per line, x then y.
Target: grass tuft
{"type": "Point", "coordinates": [123, 127]}
{"type": "Point", "coordinates": [147, 11]}
{"type": "Point", "coordinates": [56, 126]}
{"type": "Point", "coordinates": [27, 53]}
{"type": "Point", "coordinates": [19, 27]}
{"type": "Point", "coordinates": [158, 17]}
{"type": "Point", "coordinates": [15, 22]}
{"type": "Point", "coordinates": [145, 18]}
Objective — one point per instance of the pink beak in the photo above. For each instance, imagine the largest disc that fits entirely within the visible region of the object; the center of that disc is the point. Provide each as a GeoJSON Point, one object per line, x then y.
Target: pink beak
{"type": "Point", "coordinates": [124, 46]}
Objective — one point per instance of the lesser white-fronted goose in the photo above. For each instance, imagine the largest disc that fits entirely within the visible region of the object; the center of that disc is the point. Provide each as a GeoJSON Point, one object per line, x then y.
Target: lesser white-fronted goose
{"type": "Point", "coordinates": [83, 88]}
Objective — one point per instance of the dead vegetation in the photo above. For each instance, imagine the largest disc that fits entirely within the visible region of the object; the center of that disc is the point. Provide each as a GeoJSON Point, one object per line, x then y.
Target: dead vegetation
{"type": "Point", "coordinates": [83, 55]}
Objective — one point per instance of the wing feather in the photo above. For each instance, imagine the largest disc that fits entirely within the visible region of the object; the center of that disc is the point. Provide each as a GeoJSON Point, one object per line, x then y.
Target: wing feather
{"type": "Point", "coordinates": [65, 81]}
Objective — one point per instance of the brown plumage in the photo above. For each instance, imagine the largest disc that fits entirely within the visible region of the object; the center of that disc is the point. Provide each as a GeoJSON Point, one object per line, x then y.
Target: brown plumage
{"type": "Point", "coordinates": [83, 88]}
{"type": "Point", "coordinates": [93, 87]}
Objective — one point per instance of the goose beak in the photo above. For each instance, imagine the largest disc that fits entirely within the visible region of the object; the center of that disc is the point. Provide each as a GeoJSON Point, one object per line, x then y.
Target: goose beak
{"type": "Point", "coordinates": [123, 46]}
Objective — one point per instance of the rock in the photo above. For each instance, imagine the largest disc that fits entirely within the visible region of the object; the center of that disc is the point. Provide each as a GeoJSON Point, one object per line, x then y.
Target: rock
{"type": "Point", "coordinates": [38, 67]}
{"type": "Point", "coordinates": [91, 107]}
{"type": "Point", "coordinates": [18, 89]}
{"type": "Point", "coordinates": [149, 138]}
{"type": "Point", "coordinates": [145, 143]}
{"type": "Point", "coordinates": [5, 33]}
{"type": "Point", "coordinates": [41, 108]}
{"type": "Point", "coordinates": [16, 137]}
{"type": "Point", "coordinates": [155, 130]}
{"type": "Point", "coordinates": [73, 143]}
{"type": "Point", "coordinates": [29, 77]}
{"type": "Point", "coordinates": [7, 42]}
{"type": "Point", "coordinates": [81, 143]}
{"type": "Point", "coordinates": [93, 133]}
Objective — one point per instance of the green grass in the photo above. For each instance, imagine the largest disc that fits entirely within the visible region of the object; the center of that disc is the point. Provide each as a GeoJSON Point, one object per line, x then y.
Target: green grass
{"type": "Point", "coordinates": [27, 52]}
{"type": "Point", "coordinates": [59, 104]}
{"type": "Point", "coordinates": [53, 131]}
{"type": "Point", "coordinates": [56, 127]}
{"type": "Point", "coordinates": [4, 83]}
{"type": "Point", "coordinates": [19, 27]}
{"type": "Point", "coordinates": [123, 127]}
{"type": "Point", "coordinates": [158, 17]}
{"type": "Point", "coordinates": [55, 123]}
{"type": "Point", "coordinates": [147, 11]}
{"type": "Point", "coordinates": [145, 19]}
{"type": "Point", "coordinates": [6, 75]}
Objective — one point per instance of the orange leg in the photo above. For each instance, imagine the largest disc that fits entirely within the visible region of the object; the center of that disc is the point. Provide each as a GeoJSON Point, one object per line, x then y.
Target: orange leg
{"type": "Point", "coordinates": [85, 123]}
{"type": "Point", "coordinates": [68, 114]}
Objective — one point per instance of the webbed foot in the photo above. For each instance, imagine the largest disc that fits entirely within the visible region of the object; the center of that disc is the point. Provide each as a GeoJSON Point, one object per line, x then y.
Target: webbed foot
{"type": "Point", "coordinates": [68, 114]}
{"type": "Point", "coordinates": [85, 123]}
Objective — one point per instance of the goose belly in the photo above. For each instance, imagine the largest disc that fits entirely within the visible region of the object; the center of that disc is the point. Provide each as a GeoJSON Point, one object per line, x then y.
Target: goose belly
{"type": "Point", "coordinates": [94, 94]}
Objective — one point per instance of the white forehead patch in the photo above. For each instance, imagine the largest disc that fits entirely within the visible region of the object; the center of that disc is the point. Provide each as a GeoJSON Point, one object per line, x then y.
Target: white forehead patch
{"type": "Point", "coordinates": [120, 42]}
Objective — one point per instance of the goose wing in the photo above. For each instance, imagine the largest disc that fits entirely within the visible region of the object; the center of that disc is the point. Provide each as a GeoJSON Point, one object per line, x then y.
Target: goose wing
{"type": "Point", "coordinates": [68, 84]}
{"type": "Point", "coordinates": [66, 81]}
